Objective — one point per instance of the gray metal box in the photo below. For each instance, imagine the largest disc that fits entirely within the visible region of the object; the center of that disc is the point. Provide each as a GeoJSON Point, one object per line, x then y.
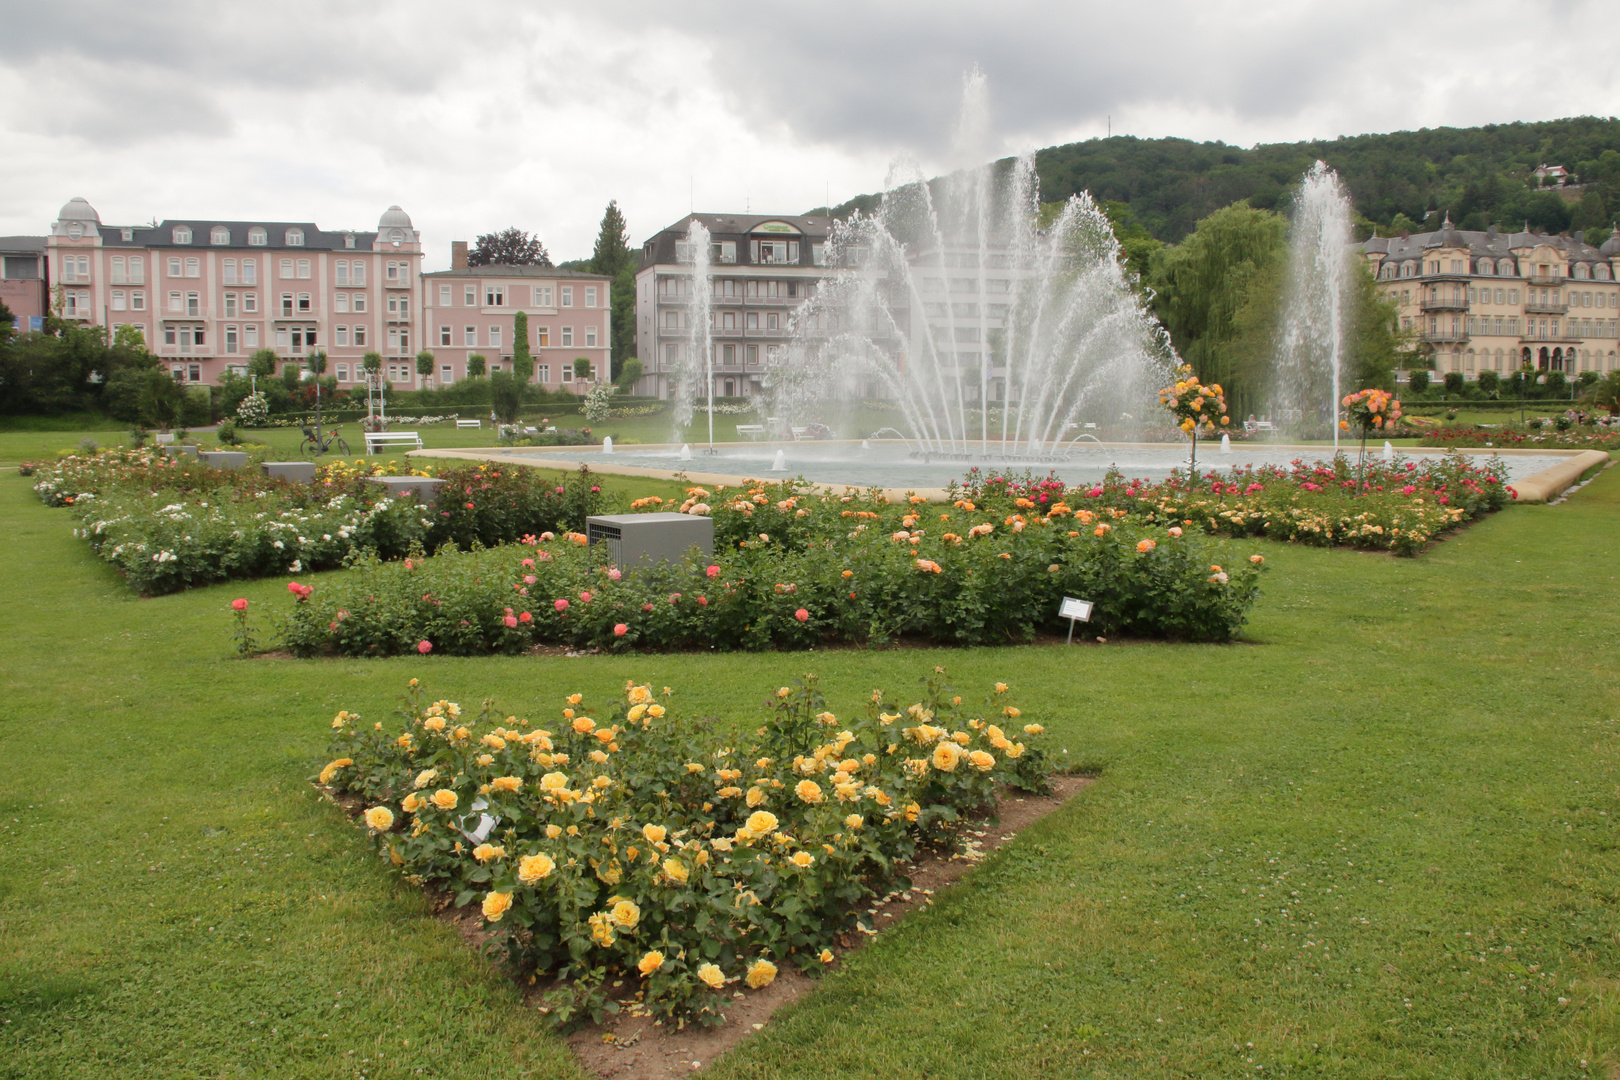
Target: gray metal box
{"type": "Point", "coordinates": [629, 540]}
{"type": "Point", "coordinates": [423, 488]}
{"type": "Point", "coordinates": [223, 459]}
{"type": "Point", "coordinates": [294, 472]}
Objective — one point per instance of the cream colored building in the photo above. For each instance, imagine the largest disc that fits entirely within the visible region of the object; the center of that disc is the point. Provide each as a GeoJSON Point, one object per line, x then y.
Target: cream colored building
{"type": "Point", "coordinates": [1495, 301]}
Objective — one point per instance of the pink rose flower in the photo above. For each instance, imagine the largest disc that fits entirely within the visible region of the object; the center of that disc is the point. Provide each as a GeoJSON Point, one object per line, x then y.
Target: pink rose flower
{"type": "Point", "coordinates": [620, 629]}
{"type": "Point", "coordinates": [802, 615]}
{"type": "Point", "coordinates": [239, 605]}
{"type": "Point", "coordinates": [424, 646]}
{"type": "Point", "coordinates": [561, 605]}
{"type": "Point", "coordinates": [714, 571]}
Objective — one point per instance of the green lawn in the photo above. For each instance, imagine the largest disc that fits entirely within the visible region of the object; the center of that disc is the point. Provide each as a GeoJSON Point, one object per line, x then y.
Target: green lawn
{"type": "Point", "coordinates": [1376, 840]}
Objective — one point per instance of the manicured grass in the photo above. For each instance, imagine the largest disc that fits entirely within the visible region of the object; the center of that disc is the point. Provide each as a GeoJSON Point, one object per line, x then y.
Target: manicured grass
{"type": "Point", "coordinates": [1424, 751]}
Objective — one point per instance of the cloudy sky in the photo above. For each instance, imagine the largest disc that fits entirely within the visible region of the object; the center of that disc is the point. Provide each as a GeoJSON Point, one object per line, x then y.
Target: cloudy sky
{"type": "Point", "coordinates": [478, 116]}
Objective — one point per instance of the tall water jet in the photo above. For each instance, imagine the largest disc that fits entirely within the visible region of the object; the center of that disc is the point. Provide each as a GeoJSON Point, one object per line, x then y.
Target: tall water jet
{"type": "Point", "coordinates": [697, 355]}
{"type": "Point", "coordinates": [1310, 358]}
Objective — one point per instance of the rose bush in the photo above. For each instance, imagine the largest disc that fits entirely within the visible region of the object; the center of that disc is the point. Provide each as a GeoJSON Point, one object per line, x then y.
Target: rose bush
{"type": "Point", "coordinates": [814, 568]}
{"type": "Point", "coordinates": [626, 843]}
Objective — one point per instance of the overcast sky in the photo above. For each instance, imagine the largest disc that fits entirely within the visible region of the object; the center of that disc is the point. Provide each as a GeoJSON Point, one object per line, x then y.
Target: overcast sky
{"type": "Point", "coordinates": [477, 116]}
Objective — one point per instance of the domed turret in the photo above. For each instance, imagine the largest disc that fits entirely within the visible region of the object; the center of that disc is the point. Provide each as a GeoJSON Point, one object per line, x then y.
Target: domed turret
{"type": "Point", "coordinates": [1449, 236]}
{"type": "Point", "coordinates": [1611, 247]}
{"type": "Point", "coordinates": [394, 218]}
{"type": "Point", "coordinates": [78, 208]}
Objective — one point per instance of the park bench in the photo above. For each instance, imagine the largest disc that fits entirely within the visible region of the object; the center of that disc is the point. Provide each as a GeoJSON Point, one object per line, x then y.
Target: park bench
{"type": "Point", "coordinates": [385, 439]}
{"type": "Point", "coordinates": [751, 431]}
{"type": "Point", "coordinates": [470, 424]}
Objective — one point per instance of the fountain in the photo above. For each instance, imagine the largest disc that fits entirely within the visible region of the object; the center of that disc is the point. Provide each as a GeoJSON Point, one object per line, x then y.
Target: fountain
{"type": "Point", "coordinates": [697, 356]}
{"type": "Point", "coordinates": [1226, 443]}
{"type": "Point", "coordinates": [686, 452]}
{"type": "Point", "coordinates": [956, 298]}
{"type": "Point", "coordinates": [779, 463]}
{"type": "Point", "coordinates": [607, 444]}
{"type": "Point", "coordinates": [1311, 351]}
{"type": "Point", "coordinates": [1389, 450]}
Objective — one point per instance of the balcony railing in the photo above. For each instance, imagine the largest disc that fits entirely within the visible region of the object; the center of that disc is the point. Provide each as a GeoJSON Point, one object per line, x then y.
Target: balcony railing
{"type": "Point", "coordinates": [1443, 304]}
{"type": "Point", "coordinates": [1536, 335]}
{"type": "Point", "coordinates": [1443, 336]}
{"type": "Point", "coordinates": [1537, 307]}
{"type": "Point", "coordinates": [1546, 279]}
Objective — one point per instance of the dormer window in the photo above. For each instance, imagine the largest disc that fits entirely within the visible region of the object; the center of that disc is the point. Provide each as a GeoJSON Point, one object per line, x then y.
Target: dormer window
{"type": "Point", "coordinates": [397, 235]}
{"type": "Point", "coordinates": [219, 236]}
{"type": "Point", "coordinates": [257, 237]}
{"type": "Point", "coordinates": [295, 237]}
{"type": "Point", "coordinates": [348, 240]}
{"type": "Point", "coordinates": [182, 235]}
{"type": "Point", "coordinates": [128, 234]}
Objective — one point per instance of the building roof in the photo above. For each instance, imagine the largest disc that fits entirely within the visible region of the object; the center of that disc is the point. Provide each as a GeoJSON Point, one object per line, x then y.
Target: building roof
{"type": "Point", "coordinates": [660, 247]}
{"type": "Point", "coordinates": [162, 236]}
{"type": "Point", "coordinates": [19, 245]}
{"type": "Point", "coordinates": [1490, 243]}
{"type": "Point", "coordinates": [516, 271]}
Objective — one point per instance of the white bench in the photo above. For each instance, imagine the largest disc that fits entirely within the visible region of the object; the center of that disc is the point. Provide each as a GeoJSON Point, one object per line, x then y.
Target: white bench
{"type": "Point", "coordinates": [163, 438]}
{"type": "Point", "coordinates": [752, 431]}
{"type": "Point", "coordinates": [375, 439]}
{"type": "Point", "coordinates": [470, 424]}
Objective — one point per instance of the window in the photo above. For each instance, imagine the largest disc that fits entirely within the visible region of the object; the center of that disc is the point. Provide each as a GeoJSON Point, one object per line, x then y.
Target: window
{"type": "Point", "coordinates": [751, 354]}
{"type": "Point", "coordinates": [590, 338]}
{"type": "Point", "coordinates": [295, 237]}
{"type": "Point", "coordinates": [76, 268]}
{"type": "Point", "coordinates": [340, 302]}
{"type": "Point", "coordinates": [567, 336]}
{"type": "Point", "coordinates": [542, 296]}
{"type": "Point", "coordinates": [494, 337]}
{"type": "Point", "coordinates": [391, 272]}
{"type": "Point", "coordinates": [444, 335]}
{"type": "Point", "coordinates": [118, 271]}
{"type": "Point", "coordinates": [219, 236]}
{"type": "Point", "coordinates": [303, 303]}
{"type": "Point", "coordinates": [250, 337]}
{"type": "Point", "coordinates": [399, 306]}
{"type": "Point", "coordinates": [176, 304]}
{"type": "Point", "coordinates": [137, 300]}
{"type": "Point", "coordinates": [359, 334]}
{"type": "Point", "coordinates": [544, 337]}
{"type": "Point", "coordinates": [250, 272]}
{"type": "Point", "coordinates": [773, 320]}
{"type": "Point", "coordinates": [174, 267]}
{"type": "Point", "coordinates": [286, 304]}
{"type": "Point", "coordinates": [340, 335]}
{"type": "Point", "coordinates": [728, 320]}
{"type": "Point", "coordinates": [342, 371]}
{"type": "Point", "coordinates": [118, 299]}
{"type": "Point", "coordinates": [567, 296]}
{"type": "Point", "coordinates": [357, 301]}
{"type": "Point", "coordinates": [544, 372]}
{"type": "Point", "coordinates": [357, 274]}
{"type": "Point", "coordinates": [250, 303]}
{"type": "Point", "coordinates": [286, 269]}
{"type": "Point", "coordinates": [818, 254]}
{"type": "Point", "coordinates": [469, 296]}
{"type": "Point", "coordinates": [447, 374]}
{"type": "Point", "coordinates": [590, 295]}
{"type": "Point", "coordinates": [256, 237]}
{"type": "Point", "coordinates": [340, 272]}
{"type": "Point", "coordinates": [494, 295]}
{"type": "Point", "coordinates": [444, 296]}
{"type": "Point", "coordinates": [469, 335]}
{"type": "Point", "coordinates": [193, 267]}
{"type": "Point", "coordinates": [303, 269]}
{"type": "Point", "coordinates": [230, 339]}
{"type": "Point", "coordinates": [181, 235]}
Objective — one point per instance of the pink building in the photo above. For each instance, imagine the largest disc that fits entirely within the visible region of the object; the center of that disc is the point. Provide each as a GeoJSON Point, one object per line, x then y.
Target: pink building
{"type": "Point", "coordinates": [206, 294]}
{"type": "Point", "coordinates": [24, 285]}
{"type": "Point", "coordinates": [469, 310]}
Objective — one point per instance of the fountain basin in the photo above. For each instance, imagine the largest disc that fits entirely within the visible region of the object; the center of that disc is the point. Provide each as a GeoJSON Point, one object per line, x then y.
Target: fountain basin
{"type": "Point", "coordinates": [890, 464]}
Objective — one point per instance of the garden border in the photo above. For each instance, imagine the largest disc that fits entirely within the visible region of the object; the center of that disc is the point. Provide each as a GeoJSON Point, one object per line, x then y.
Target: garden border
{"type": "Point", "coordinates": [1538, 487]}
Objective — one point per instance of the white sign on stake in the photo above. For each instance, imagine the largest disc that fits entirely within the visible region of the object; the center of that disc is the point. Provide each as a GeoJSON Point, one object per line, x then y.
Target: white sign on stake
{"type": "Point", "coordinates": [1075, 611]}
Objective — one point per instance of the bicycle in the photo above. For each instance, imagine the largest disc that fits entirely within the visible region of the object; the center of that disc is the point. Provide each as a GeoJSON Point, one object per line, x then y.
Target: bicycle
{"type": "Point", "coordinates": [316, 445]}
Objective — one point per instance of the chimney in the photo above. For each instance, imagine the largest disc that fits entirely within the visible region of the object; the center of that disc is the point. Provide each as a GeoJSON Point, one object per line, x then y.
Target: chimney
{"type": "Point", "coordinates": [458, 254]}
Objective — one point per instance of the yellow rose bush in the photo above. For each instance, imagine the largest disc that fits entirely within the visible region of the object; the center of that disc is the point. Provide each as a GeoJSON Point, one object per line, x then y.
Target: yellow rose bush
{"type": "Point", "coordinates": [628, 851]}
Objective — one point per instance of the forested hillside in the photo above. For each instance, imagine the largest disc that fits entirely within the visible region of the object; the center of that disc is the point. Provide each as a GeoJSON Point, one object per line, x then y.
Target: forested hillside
{"type": "Point", "coordinates": [1403, 180]}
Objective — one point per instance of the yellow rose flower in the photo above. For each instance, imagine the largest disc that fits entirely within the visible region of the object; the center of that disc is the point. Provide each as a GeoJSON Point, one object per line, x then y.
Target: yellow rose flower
{"type": "Point", "coordinates": [802, 859]}
{"type": "Point", "coordinates": [676, 870]}
{"type": "Point", "coordinates": [380, 818]}
{"type": "Point", "coordinates": [655, 834]}
{"type": "Point", "coordinates": [485, 760]}
{"type": "Point", "coordinates": [584, 725]}
{"type": "Point", "coordinates": [506, 783]}
{"type": "Point", "coordinates": [332, 768]}
{"type": "Point", "coordinates": [982, 761]}
{"type": "Point", "coordinates": [808, 791]}
{"type": "Point", "coordinates": [946, 756]}
{"type": "Point", "coordinates": [533, 868]}
{"type": "Point", "coordinates": [554, 781]}
{"type": "Point", "coordinates": [826, 956]}
{"type": "Point", "coordinates": [434, 724]}
{"type": "Point", "coordinates": [854, 821]}
{"type": "Point", "coordinates": [444, 799]}
{"type": "Point", "coordinates": [1034, 729]}
{"type": "Point", "coordinates": [412, 803]}
{"type": "Point", "coordinates": [424, 778]}
{"type": "Point", "coordinates": [755, 797]}
{"type": "Point", "coordinates": [636, 713]}
{"type": "Point", "coordinates": [486, 852]}
{"type": "Point", "coordinates": [626, 914]}
{"type": "Point", "coordinates": [575, 699]}
{"type": "Point", "coordinates": [711, 975]}
{"type": "Point", "coordinates": [553, 831]}
{"type": "Point", "coordinates": [651, 962]}
{"type": "Point", "coordinates": [913, 811]}
{"type": "Point", "coordinates": [640, 695]}
{"type": "Point", "coordinates": [497, 904]}
{"type": "Point", "coordinates": [761, 973]}
{"type": "Point", "coordinates": [720, 843]}
{"type": "Point", "coordinates": [1016, 750]}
